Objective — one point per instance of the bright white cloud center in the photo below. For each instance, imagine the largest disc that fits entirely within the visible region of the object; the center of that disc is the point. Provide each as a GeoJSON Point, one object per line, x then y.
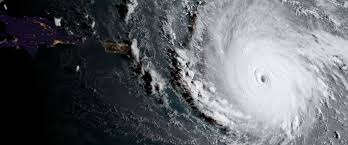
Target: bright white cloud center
{"type": "Point", "coordinates": [269, 67]}
{"type": "Point", "coordinates": [268, 80]}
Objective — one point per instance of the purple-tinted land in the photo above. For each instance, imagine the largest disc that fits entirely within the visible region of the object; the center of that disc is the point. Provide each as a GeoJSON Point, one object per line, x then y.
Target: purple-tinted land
{"type": "Point", "coordinates": [32, 32]}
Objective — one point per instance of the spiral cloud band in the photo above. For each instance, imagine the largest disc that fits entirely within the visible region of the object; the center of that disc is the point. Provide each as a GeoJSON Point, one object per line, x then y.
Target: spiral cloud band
{"type": "Point", "coordinates": [267, 67]}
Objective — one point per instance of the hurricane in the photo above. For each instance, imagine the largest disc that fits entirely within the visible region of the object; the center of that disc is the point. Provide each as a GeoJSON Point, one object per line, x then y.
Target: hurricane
{"type": "Point", "coordinates": [219, 72]}
{"type": "Point", "coordinates": [268, 70]}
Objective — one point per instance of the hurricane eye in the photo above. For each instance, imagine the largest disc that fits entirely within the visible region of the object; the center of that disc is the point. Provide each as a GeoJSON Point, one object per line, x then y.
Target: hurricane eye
{"type": "Point", "coordinates": [260, 77]}
{"type": "Point", "coordinates": [263, 79]}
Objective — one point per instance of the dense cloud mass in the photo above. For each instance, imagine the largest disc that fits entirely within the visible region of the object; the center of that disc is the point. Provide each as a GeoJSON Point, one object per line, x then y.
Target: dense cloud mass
{"type": "Point", "coordinates": [272, 65]}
